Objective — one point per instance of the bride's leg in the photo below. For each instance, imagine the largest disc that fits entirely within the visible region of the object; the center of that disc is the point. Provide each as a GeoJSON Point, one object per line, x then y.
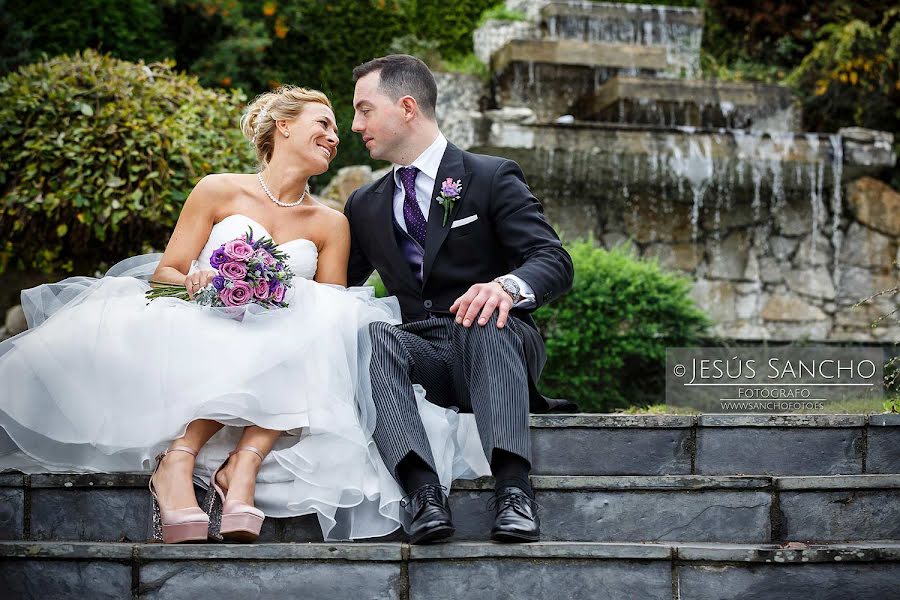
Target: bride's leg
{"type": "Point", "coordinates": [174, 479]}
{"type": "Point", "coordinates": [239, 475]}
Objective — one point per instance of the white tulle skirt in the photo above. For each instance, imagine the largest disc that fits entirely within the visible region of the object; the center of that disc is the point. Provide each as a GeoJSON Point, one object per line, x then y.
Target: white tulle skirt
{"type": "Point", "coordinates": [103, 381]}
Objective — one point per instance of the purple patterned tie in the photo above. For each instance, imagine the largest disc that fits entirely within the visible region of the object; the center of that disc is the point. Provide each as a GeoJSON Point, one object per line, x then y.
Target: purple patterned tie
{"type": "Point", "coordinates": [412, 214]}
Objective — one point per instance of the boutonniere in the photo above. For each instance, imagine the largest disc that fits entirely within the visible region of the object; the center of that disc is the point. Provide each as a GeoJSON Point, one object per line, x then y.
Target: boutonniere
{"type": "Point", "coordinates": [450, 191]}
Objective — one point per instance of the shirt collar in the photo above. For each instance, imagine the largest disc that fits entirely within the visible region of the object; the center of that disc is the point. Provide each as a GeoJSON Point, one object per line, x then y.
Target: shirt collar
{"type": "Point", "coordinates": [429, 161]}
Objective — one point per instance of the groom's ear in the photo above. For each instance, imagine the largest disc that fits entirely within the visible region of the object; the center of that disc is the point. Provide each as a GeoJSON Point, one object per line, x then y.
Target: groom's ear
{"type": "Point", "coordinates": [410, 107]}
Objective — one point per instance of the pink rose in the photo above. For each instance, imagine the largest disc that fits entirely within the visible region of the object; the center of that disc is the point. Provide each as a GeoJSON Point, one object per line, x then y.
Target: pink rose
{"type": "Point", "coordinates": [261, 291]}
{"type": "Point", "coordinates": [266, 258]}
{"type": "Point", "coordinates": [238, 250]}
{"type": "Point", "coordinates": [238, 295]}
{"type": "Point", "coordinates": [233, 270]}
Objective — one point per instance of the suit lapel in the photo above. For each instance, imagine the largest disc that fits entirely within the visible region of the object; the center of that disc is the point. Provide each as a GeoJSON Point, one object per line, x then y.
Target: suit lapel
{"type": "Point", "coordinates": [452, 167]}
{"type": "Point", "coordinates": [382, 201]}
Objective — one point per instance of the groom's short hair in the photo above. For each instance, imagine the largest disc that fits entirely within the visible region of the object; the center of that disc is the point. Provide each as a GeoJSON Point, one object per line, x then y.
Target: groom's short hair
{"type": "Point", "coordinates": [403, 75]}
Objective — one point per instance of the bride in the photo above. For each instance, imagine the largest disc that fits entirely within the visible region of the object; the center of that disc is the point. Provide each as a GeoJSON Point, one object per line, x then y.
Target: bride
{"type": "Point", "coordinates": [273, 410]}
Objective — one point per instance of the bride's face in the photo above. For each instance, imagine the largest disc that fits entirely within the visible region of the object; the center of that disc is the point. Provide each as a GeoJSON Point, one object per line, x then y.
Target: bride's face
{"type": "Point", "coordinates": [313, 137]}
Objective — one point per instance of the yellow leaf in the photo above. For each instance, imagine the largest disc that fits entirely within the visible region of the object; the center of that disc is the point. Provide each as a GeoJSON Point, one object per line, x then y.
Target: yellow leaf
{"type": "Point", "coordinates": [62, 230]}
{"type": "Point", "coordinates": [269, 8]}
{"type": "Point", "coordinates": [853, 78]}
{"type": "Point", "coordinates": [843, 78]}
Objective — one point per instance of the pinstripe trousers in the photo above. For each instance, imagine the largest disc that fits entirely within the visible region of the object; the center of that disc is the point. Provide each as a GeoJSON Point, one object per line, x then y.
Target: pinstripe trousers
{"type": "Point", "coordinates": [479, 370]}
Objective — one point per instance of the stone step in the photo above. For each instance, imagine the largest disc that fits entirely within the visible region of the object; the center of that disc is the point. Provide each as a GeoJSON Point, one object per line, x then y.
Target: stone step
{"type": "Point", "coordinates": [685, 571]}
{"type": "Point", "coordinates": [678, 30]}
{"type": "Point", "coordinates": [691, 102]}
{"type": "Point", "coordinates": [550, 76]}
{"type": "Point", "coordinates": [592, 444]}
{"type": "Point", "coordinates": [738, 509]}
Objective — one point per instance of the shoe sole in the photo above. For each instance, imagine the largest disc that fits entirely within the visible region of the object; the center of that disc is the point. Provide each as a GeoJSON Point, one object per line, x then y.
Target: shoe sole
{"type": "Point", "coordinates": [240, 537]}
{"type": "Point", "coordinates": [438, 534]}
{"type": "Point", "coordinates": [507, 537]}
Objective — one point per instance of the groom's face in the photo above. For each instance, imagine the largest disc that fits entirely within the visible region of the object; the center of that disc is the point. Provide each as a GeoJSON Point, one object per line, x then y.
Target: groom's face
{"type": "Point", "coordinates": [378, 119]}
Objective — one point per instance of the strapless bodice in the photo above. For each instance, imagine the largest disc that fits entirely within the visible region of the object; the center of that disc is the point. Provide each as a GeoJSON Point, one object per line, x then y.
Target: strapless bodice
{"type": "Point", "coordinates": [302, 253]}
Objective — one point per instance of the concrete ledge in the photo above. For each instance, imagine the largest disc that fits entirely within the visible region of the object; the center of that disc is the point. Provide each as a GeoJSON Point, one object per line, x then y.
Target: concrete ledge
{"type": "Point", "coordinates": [888, 551]}
{"type": "Point", "coordinates": [12, 480]}
{"type": "Point", "coordinates": [885, 420]}
{"type": "Point", "coordinates": [68, 550]}
{"type": "Point", "coordinates": [786, 420]}
{"type": "Point", "coordinates": [90, 480]}
{"type": "Point", "coordinates": [578, 53]}
{"type": "Point", "coordinates": [629, 482]}
{"type": "Point", "coordinates": [839, 482]}
{"type": "Point", "coordinates": [673, 14]}
{"type": "Point", "coordinates": [761, 553]}
{"type": "Point", "coordinates": [613, 420]}
{"type": "Point", "coordinates": [595, 550]}
{"type": "Point", "coordinates": [288, 551]}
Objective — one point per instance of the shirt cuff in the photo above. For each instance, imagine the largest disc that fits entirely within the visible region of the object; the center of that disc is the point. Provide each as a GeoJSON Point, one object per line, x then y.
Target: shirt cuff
{"type": "Point", "coordinates": [525, 291]}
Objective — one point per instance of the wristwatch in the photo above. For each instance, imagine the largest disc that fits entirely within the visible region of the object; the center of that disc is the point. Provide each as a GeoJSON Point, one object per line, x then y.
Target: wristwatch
{"type": "Point", "coordinates": [511, 287]}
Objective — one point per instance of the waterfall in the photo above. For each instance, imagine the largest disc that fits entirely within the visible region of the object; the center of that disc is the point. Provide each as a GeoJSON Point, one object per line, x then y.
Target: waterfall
{"type": "Point", "coordinates": [837, 172]}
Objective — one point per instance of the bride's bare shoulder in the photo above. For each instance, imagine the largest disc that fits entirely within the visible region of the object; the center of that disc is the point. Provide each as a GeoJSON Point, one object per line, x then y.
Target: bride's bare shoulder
{"type": "Point", "coordinates": [221, 184]}
{"type": "Point", "coordinates": [217, 193]}
{"type": "Point", "coordinates": [327, 213]}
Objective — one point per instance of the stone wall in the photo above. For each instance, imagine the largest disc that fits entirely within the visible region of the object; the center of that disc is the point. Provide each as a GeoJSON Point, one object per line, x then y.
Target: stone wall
{"type": "Point", "coordinates": [784, 274]}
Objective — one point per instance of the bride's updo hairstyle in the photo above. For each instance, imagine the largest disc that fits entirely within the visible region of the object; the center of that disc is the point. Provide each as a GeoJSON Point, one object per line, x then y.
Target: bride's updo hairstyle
{"type": "Point", "coordinates": [283, 104]}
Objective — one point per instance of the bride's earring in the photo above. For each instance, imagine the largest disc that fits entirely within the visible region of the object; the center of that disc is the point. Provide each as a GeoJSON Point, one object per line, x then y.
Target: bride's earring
{"type": "Point", "coordinates": [287, 134]}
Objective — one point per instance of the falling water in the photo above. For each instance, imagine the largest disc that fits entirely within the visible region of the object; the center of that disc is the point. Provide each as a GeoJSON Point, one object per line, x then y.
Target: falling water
{"type": "Point", "coordinates": [696, 167]}
{"type": "Point", "coordinates": [837, 172]}
{"type": "Point", "coordinates": [815, 198]}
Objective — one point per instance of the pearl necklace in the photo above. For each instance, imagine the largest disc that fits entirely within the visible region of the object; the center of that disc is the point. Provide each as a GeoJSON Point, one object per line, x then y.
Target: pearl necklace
{"type": "Point", "coordinates": [276, 200]}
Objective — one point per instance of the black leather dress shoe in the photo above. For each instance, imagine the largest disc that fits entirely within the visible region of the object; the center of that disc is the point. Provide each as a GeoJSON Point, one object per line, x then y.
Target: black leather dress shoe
{"type": "Point", "coordinates": [427, 515]}
{"type": "Point", "coordinates": [516, 517]}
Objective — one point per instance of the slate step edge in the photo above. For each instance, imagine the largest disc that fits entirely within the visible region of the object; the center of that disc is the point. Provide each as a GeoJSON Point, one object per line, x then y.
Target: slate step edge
{"type": "Point", "coordinates": [867, 551]}
{"type": "Point", "coordinates": [651, 421]}
{"type": "Point", "coordinates": [539, 482]}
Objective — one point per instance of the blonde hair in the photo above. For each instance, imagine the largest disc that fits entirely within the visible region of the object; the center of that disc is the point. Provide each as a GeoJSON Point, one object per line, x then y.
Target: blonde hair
{"type": "Point", "coordinates": [283, 104]}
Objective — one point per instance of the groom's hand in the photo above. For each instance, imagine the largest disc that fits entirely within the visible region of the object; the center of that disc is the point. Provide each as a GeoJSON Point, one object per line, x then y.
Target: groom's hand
{"type": "Point", "coordinates": [482, 298]}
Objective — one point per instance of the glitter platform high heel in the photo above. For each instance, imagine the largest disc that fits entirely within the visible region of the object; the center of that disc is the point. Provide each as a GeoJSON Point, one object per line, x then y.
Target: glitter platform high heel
{"type": "Point", "coordinates": [232, 521]}
{"type": "Point", "coordinates": [179, 525]}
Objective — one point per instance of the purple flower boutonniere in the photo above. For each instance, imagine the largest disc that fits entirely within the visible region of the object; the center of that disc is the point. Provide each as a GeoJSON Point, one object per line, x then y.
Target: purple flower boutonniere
{"type": "Point", "coordinates": [450, 191]}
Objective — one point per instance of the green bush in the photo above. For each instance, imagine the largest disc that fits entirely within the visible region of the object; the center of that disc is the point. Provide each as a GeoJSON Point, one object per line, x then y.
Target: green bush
{"type": "Point", "coordinates": [97, 156]}
{"type": "Point", "coordinates": [128, 29]}
{"type": "Point", "coordinates": [253, 45]}
{"type": "Point", "coordinates": [606, 339]}
{"type": "Point", "coordinates": [852, 75]}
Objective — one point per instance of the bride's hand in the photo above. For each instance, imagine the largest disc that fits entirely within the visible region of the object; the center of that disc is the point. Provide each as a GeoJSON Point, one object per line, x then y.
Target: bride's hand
{"type": "Point", "coordinates": [197, 281]}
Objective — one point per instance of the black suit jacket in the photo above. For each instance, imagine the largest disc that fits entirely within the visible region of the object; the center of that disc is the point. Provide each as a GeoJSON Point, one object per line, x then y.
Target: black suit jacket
{"type": "Point", "coordinates": [510, 235]}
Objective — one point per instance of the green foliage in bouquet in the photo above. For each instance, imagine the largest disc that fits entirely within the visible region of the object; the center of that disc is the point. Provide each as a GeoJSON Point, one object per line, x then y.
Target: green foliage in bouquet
{"type": "Point", "coordinates": [97, 156]}
{"type": "Point", "coordinates": [606, 339]}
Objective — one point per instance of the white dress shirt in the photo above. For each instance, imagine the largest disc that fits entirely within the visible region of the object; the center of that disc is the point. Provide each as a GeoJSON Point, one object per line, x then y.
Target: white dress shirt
{"type": "Point", "coordinates": [428, 163]}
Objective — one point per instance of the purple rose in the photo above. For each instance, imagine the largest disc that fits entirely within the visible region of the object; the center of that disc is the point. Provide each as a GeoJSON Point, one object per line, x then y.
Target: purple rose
{"type": "Point", "coordinates": [237, 295]}
{"type": "Point", "coordinates": [278, 293]}
{"type": "Point", "coordinates": [218, 282]}
{"type": "Point", "coordinates": [234, 271]}
{"type": "Point", "coordinates": [218, 257]}
{"type": "Point", "coordinates": [239, 250]}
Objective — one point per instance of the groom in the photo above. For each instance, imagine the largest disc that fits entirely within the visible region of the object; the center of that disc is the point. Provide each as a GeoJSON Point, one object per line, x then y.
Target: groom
{"type": "Point", "coordinates": [465, 247]}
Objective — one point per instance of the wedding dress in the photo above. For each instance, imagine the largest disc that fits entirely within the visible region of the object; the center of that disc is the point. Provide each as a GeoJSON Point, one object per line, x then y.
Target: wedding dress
{"type": "Point", "coordinates": [103, 381]}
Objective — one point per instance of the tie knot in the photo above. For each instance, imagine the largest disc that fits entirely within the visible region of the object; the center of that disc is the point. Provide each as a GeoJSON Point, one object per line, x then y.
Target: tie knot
{"type": "Point", "coordinates": [408, 177]}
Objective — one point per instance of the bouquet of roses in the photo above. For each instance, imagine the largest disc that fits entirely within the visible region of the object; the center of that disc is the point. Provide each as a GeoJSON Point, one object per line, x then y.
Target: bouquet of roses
{"type": "Point", "coordinates": [248, 272]}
